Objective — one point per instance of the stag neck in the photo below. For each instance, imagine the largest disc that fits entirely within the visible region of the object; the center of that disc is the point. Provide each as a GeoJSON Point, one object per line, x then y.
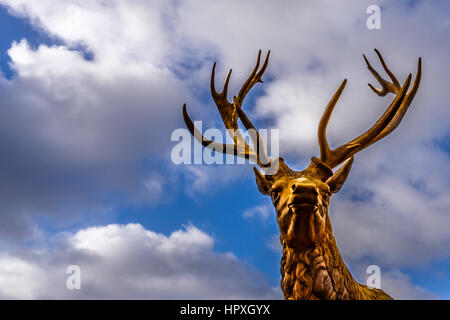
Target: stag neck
{"type": "Point", "coordinates": [320, 273]}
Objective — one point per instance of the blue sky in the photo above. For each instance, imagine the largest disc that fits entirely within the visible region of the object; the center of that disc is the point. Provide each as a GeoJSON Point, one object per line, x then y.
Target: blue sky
{"type": "Point", "coordinates": [15, 29]}
{"type": "Point", "coordinates": [92, 91]}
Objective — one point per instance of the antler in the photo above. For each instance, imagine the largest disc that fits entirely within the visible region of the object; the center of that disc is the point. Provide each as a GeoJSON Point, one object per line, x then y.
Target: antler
{"type": "Point", "coordinates": [230, 112]}
{"type": "Point", "coordinates": [385, 124]}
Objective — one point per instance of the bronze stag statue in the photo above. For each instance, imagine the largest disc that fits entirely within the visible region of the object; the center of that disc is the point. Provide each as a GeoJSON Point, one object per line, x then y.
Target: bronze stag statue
{"type": "Point", "coordinates": [311, 265]}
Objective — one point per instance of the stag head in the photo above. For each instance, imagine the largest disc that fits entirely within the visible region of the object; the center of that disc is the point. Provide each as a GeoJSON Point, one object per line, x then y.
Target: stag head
{"type": "Point", "coordinates": [301, 198]}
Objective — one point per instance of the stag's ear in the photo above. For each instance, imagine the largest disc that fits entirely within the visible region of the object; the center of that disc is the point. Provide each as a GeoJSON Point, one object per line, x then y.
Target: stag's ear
{"type": "Point", "coordinates": [337, 180]}
{"type": "Point", "coordinates": [262, 182]}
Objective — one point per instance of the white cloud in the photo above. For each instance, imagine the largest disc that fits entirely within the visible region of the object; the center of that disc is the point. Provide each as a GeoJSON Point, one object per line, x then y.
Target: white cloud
{"type": "Point", "coordinates": [81, 129]}
{"type": "Point", "coordinates": [128, 261]}
{"type": "Point", "coordinates": [263, 212]}
{"type": "Point", "coordinates": [274, 243]}
{"type": "Point", "coordinates": [401, 287]}
{"type": "Point", "coordinates": [114, 31]}
{"type": "Point", "coordinates": [203, 179]}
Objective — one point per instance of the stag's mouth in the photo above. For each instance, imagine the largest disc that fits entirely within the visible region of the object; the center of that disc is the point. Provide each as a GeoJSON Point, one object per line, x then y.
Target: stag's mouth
{"type": "Point", "coordinates": [303, 203]}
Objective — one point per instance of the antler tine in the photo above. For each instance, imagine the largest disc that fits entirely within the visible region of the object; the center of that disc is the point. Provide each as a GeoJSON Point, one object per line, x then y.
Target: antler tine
{"type": "Point", "coordinates": [386, 86]}
{"type": "Point", "coordinates": [226, 108]}
{"type": "Point", "coordinates": [404, 107]}
{"type": "Point", "coordinates": [388, 71]}
{"type": "Point", "coordinates": [254, 77]}
{"type": "Point", "coordinates": [412, 93]}
{"type": "Point", "coordinates": [222, 96]}
{"type": "Point", "coordinates": [230, 112]}
{"type": "Point", "coordinates": [325, 152]}
{"type": "Point", "coordinates": [385, 124]}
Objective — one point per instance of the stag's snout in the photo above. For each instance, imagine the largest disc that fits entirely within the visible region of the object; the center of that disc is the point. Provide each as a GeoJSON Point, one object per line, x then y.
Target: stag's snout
{"type": "Point", "coordinates": [304, 196]}
{"type": "Point", "coordinates": [303, 224]}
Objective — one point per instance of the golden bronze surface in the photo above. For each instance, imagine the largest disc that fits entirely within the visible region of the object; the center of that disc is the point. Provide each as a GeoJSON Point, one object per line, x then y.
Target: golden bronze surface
{"type": "Point", "coordinates": [311, 265]}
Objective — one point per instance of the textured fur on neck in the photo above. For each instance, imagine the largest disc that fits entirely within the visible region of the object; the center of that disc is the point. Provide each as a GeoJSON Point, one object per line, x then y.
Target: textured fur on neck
{"type": "Point", "coordinates": [320, 273]}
